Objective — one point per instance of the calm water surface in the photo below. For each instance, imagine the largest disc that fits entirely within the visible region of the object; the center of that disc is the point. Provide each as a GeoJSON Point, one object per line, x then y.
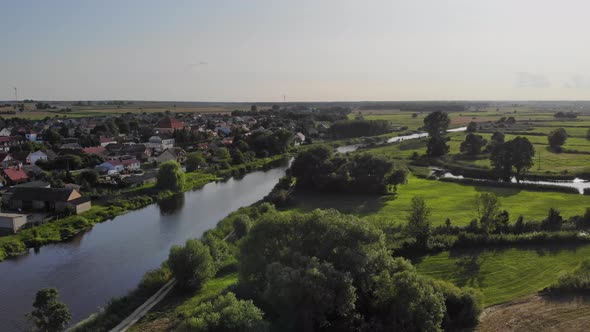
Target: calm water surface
{"type": "Point", "coordinates": [110, 259]}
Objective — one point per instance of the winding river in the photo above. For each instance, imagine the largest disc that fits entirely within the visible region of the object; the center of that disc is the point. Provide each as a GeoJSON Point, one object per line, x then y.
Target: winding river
{"type": "Point", "coordinates": [110, 259]}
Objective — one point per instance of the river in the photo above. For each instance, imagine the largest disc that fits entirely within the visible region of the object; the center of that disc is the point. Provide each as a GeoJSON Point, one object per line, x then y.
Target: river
{"type": "Point", "coordinates": [397, 139]}
{"type": "Point", "coordinates": [110, 259]}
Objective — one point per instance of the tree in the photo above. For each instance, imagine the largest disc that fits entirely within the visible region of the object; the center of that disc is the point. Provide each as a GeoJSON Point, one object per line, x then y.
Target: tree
{"type": "Point", "coordinates": [418, 223]}
{"type": "Point", "coordinates": [553, 222]}
{"type": "Point", "coordinates": [487, 205]}
{"type": "Point", "coordinates": [191, 264]}
{"type": "Point", "coordinates": [471, 127]}
{"type": "Point", "coordinates": [170, 176]}
{"type": "Point", "coordinates": [557, 138]}
{"type": "Point", "coordinates": [437, 146]}
{"type": "Point", "coordinates": [225, 313]}
{"type": "Point", "coordinates": [517, 153]}
{"type": "Point", "coordinates": [49, 315]}
{"type": "Point", "coordinates": [397, 177]}
{"type": "Point", "coordinates": [222, 154]}
{"type": "Point", "coordinates": [89, 177]}
{"type": "Point", "coordinates": [523, 153]}
{"type": "Point", "coordinates": [473, 144]}
{"type": "Point", "coordinates": [436, 123]}
{"type": "Point", "coordinates": [194, 161]}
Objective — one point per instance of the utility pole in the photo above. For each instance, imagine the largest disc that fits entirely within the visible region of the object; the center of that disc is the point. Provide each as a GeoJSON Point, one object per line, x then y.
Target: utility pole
{"type": "Point", "coordinates": [16, 95]}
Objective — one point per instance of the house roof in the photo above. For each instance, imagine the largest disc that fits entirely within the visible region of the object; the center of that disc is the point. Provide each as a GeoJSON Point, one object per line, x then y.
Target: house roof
{"type": "Point", "coordinates": [20, 156]}
{"type": "Point", "coordinates": [104, 139]}
{"type": "Point", "coordinates": [127, 162]}
{"type": "Point", "coordinates": [42, 194]}
{"type": "Point", "coordinates": [15, 174]}
{"type": "Point", "coordinates": [165, 156]}
{"type": "Point", "coordinates": [170, 123]}
{"type": "Point", "coordinates": [94, 150]}
{"type": "Point", "coordinates": [33, 184]}
{"type": "Point", "coordinates": [114, 162]}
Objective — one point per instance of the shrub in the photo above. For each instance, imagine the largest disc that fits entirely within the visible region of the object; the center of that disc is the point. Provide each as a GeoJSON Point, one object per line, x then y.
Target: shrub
{"type": "Point", "coordinates": [191, 264]}
{"type": "Point", "coordinates": [576, 281]}
{"type": "Point", "coordinates": [463, 306]}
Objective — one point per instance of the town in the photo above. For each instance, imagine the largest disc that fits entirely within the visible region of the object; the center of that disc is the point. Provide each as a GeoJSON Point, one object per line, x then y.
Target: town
{"type": "Point", "coordinates": [56, 166]}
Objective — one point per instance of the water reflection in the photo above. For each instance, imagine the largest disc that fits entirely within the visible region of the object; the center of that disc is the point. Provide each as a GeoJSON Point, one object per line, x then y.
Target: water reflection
{"type": "Point", "coordinates": [171, 205]}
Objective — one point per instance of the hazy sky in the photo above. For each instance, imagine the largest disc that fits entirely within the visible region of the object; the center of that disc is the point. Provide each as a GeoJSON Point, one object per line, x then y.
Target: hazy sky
{"type": "Point", "coordinates": [308, 50]}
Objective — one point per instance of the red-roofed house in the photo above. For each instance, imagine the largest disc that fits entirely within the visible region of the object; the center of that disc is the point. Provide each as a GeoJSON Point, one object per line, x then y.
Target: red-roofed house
{"type": "Point", "coordinates": [169, 125]}
{"type": "Point", "coordinates": [99, 150]}
{"type": "Point", "coordinates": [131, 164]}
{"type": "Point", "coordinates": [15, 176]}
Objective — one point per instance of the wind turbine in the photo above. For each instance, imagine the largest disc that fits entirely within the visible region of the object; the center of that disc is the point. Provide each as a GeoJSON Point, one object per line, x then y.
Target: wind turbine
{"type": "Point", "coordinates": [15, 94]}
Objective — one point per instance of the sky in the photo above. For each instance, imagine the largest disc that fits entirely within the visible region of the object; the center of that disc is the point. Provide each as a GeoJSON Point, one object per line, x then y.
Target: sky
{"type": "Point", "coordinates": [305, 50]}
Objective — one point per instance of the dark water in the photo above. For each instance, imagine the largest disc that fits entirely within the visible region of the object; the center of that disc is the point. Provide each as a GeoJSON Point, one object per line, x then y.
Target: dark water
{"type": "Point", "coordinates": [110, 259]}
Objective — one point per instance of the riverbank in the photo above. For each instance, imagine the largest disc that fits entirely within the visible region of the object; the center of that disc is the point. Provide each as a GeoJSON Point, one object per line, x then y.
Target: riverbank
{"type": "Point", "coordinates": [124, 202]}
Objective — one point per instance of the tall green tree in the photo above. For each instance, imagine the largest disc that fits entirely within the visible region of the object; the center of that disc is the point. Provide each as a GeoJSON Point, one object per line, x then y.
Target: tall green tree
{"type": "Point", "coordinates": [437, 123]}
{"type": "Point", "coordinates": [194, 160]}
{"type": "Point", "coordinates": [557, 138]}
{"type": "Point", "coordinates": [191, 264]}
{"type": "Point", "coordinates": [473, 144]}
{"type": "Point", "coordinates": [49, 315]}
{"type": "Point", "coordinates": [170, 176]}
{"type": "Point", "coordinates": [419, 225]}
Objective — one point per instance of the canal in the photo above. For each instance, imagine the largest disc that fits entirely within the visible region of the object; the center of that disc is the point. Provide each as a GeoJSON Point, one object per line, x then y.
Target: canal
{"type": "Point", "coordinates": [110, 259]}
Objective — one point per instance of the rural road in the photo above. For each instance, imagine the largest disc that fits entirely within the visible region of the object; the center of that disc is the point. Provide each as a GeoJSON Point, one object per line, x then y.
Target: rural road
{"type": "Point", "coordinates": [144, 308]}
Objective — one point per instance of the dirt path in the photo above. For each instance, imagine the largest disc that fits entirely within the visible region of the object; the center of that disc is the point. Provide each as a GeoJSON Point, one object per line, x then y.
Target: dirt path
{"type": "Point", "coordinates": [538, 313]}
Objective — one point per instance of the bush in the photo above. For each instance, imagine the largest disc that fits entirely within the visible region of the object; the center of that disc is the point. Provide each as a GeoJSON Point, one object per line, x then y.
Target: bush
{"type": "Point", "coordinates": [191, 264]}
{"type": "Point", "coordinates": [463, 306]}
{"type": "Point", "coordinates": [225, 313]}
{"type": "Point", "coordinates": [577, 281]}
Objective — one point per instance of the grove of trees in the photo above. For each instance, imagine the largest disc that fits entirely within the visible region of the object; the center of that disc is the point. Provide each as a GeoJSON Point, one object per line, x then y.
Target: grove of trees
{"type": "Point", "coordinates": [170, 176]}
{"type": "Point", "coordinates": [436, 124]}
{"type": "Point", "coordinates": [512, 158]}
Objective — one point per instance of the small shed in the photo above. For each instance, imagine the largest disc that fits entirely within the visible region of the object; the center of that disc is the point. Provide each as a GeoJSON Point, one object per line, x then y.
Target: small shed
{"type": "Point", "coordinates": [12, 222]}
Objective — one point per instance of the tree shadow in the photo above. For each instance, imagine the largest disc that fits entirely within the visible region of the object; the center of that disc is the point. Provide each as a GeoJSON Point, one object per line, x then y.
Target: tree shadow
{"type": "Point", "coordinates": [345, 203]}
{"type": "Point", "coordinates": [468, 268]}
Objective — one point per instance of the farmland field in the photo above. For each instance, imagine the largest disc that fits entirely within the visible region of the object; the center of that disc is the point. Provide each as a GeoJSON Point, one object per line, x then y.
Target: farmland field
{"type": "Point", "coordinates": [504, 274]}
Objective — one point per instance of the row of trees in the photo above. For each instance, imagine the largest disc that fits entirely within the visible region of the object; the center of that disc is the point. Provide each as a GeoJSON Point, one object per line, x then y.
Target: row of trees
{"type": "Point", "coordinates": [320, 169]}
{"type": "Point", "coordinates": [360, 128]}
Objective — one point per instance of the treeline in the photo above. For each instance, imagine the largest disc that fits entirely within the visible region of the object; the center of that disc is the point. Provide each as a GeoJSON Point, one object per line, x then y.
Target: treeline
{"type": "Point", "coordinates": [359, 128]}
{"type": "Point", "coordinates": [426, 107]}
{"type": "Point", "coordinates": [320, 169]}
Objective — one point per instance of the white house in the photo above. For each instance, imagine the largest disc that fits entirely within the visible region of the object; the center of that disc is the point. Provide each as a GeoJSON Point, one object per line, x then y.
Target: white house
{"type": "Point", "coordinates": [5, 132]}
{"type": "Point", "coordinates": [104, 141]}
{"type": "Point", "coordinates": [159, 144]}
{"type": "Point", "coordinates": [131, 164]}
{"type": "Point", "coordinates": [33, 157]}
{"type": "Point", "coordinates": [113, 166]}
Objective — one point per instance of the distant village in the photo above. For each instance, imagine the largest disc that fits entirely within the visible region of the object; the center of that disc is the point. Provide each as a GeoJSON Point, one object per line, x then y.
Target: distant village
{"type": "Point", "coordinates": [53, 167]}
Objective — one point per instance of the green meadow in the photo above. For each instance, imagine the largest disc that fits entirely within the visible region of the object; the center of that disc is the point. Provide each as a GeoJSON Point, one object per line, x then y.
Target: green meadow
{"type": "Point", "coordinates": [447, 200]}
{"type": "Point", "coordinates": [504, 274]}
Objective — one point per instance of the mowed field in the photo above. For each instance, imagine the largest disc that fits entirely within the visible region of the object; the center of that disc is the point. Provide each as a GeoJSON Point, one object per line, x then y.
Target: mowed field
{"type": "Point", "coordinates": [448, 200]}
{"type": "Point", "coordinates": [504, 274]}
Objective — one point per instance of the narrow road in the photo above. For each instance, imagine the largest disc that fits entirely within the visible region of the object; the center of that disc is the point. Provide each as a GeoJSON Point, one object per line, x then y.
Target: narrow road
{"type": "Point", "coordinates": [144, 308]}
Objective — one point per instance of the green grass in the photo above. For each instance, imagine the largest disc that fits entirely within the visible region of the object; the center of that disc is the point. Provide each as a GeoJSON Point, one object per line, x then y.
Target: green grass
{"type": "Point", "coordinates": [504, 275]}
{"type": "Point", "coordinates": [448, 200]}
{"type": "Point", "coordinates": [210, 290]}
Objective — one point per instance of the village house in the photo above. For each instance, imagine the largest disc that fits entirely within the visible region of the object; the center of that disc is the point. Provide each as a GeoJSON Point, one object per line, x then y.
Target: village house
{"type": "Point", "coordinates": [169, 125]}
{"type": "Point", "coordinates": [5, 132]}
{"type": "Point", "coordinates": [47, 199]}
{"type": "Point", "coordinates": [159, 144]}
{"type": "Point", "coordinates": [131, 164]}
{"type": "Point", "coordinates": [113, 166]}
{"type": "Point", "coordinates": [27, 157]}
{"type": "Point", "coordinates": [14, 176]}
{"type": "Point", "coordinates": [10, 223]}
{"type": "Point", "coordinates": [104, 141]}
{"type": "Point", "coordinates": [97, 150]}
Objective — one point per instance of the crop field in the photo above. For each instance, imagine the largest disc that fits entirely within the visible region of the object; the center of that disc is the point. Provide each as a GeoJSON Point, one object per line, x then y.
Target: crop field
{"type": "Point", "coordinates": [448, 200]}
{"type": "Point", "coordinates": [504, 274]}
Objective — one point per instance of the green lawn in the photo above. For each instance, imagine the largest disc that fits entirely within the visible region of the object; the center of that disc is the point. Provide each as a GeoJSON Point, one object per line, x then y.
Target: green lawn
{"type": "Point", "coordinates": [506, 274]}
{"type": "Point", "coordinates": [447, 200]}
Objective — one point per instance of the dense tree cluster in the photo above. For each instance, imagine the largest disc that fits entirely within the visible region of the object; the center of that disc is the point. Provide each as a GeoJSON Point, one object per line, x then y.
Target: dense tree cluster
{"type": "Point", "coordinates": [49, 315]}
{"type": "Point", "coordinates": [359, 128]}
{"type": "Point", "coordinates": [192, 264]}
{"type": "Point", "coordinates": [320, 169]}
{"type": "Point", "coordinates": [329, 271]}
{"type": "Point", "coordinates": [473, 144]}
{"type": "Point", "coordinates": [269, 143]}
{"type": "Point", "coordinates": [566, 115]}
{"type": "Point", "coordinates": [512, 157]}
